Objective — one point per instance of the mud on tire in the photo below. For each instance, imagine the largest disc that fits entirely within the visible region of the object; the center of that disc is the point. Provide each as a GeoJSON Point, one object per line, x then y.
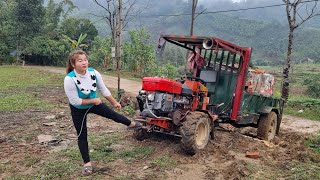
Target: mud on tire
{"type": "Point", "coordinates": [267, 127]}
{"type": "Point", "coordinates": [195, 132]}
{"type": "Point", "coordinates": [141, 134]}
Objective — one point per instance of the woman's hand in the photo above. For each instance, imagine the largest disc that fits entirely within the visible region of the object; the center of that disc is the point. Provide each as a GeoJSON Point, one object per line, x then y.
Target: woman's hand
{"type": "Point", "coordinates": [117, 105]}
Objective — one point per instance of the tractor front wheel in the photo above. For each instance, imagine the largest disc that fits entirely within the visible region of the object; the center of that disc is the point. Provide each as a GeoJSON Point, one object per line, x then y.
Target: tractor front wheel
{"type": "Point", "coordinates": [267, 126]}
{"type": "Point", "coordinates": [195, 132]}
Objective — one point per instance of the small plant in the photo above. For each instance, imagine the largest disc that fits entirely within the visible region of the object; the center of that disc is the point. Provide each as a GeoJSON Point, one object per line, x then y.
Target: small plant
{"type": "Point", "coordinates": [314, 144]}
{"type": "Point", "coordinates": [137, 152]}
{"type": "Point", "coordinates": [29, 161]}
{"type": "Point", "coordinates": [163, 162]}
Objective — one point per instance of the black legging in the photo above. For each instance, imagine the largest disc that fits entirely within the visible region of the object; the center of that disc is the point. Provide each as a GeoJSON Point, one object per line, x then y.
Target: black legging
{"type": "Point", "coordinates": [77, 117]}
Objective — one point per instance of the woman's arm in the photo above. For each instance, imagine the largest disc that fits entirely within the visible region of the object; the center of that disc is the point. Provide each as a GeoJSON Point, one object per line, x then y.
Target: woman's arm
{"type": "Point", "coordinates": [72, 94]}
{"type": "Point", "coordinates": [105, 91]}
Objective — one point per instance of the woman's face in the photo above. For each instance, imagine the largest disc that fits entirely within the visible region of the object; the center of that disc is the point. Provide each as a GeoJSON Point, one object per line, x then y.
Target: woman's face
{"type": "Point", "coordinates": [81, 63]}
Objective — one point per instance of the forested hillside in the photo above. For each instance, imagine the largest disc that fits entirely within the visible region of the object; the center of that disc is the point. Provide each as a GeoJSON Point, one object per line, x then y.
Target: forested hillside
{"type": "Point", "coordinates": [48, 30]}
{"type": "Point", "coordinates": [263, 29]}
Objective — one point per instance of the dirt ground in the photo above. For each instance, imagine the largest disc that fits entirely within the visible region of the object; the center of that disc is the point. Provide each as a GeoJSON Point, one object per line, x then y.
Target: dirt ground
{"type": "Point", "coordinates": [224, 158]}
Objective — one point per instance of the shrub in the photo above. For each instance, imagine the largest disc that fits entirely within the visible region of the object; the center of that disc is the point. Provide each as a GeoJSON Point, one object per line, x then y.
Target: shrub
{"type": "Point", "coordinates": [313, 86]}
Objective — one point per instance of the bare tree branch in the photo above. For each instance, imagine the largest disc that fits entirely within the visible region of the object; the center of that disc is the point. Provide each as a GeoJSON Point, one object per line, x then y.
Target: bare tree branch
{"type": "Point", "coordinates": [97, 15]}
{"type": "Point", "coordinates": [101, 5]}
{"type": "Point", "coordinates": [200, 13]}
{"type": "Point", "coordinates": [299, 16]}
{"type": "Point", "coordinates": [311, 15]}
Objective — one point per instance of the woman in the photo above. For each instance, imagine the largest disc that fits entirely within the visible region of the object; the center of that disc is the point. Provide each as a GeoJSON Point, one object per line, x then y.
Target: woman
{"type": "Point", "coordinates": [80, 85]}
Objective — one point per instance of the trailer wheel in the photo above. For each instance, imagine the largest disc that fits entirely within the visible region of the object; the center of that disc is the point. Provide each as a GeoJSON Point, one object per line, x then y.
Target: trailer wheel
{"type": "Point", "coordinates": [141, 134]}
{"type": "Point", "coordinates": [267, 126]}
{"type": "Point", "coordinates": [195, 132]}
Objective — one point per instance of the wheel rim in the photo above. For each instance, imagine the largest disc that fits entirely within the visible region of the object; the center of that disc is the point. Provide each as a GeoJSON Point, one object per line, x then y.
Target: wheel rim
{"type": "Point", "coordinates": [201, 135]}
{"type": "Point", "coordinates": [272, 129]}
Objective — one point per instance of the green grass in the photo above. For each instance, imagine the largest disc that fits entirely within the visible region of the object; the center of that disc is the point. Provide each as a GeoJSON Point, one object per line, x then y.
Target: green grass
{"type": "Point", "coordinates": [164, 162]}
{"type": "Point", "coordinates": [304, 171]}
{"type": "Point", "coordinates": [31, 160]}
{"type": "Point", "coordinates": [314, 144]}
{"type": "Point", "coordinates": [16, 83]}
{"type": "Point", "coordinates": [15, 77]}
{"type": "Point", "coordinates": [137, 152]}
{"type": "Point", "coordinates": [58, 169]}
{"type": "Point", "coordinates": [310, 107]}
{"type": "Point", "coordinates": [21, 101]}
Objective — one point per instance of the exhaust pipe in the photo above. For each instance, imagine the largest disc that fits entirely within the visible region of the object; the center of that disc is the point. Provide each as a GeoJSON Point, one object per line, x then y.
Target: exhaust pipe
{"type": "Point", "coordinates": [207, 43]}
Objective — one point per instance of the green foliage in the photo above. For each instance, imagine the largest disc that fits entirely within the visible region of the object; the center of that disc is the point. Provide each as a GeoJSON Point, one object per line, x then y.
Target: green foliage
{"type": "Point", "coordinates": [310, 107]}
{"type": "Point", "coordinates": [54, 12]}
{"type": "Point", "coordinates": [56, 50]}
{"type": "Point", "coordinates": [313, 86]}
{"type": "Point", "coordinates": [173, 54]}
{"type": "Point", "coordinates": [138, 52]}
{"type": "Point", "coordinates": [76, 44]}
{"type": "Point", "coordinates": [73, 27]}
{"type": "Point", "coordinates": [28, 20]}
{"type": "Point", "coordinates": [168, 71]}
{"type": "Point", "coordinates": [100, 52]}
{"type": "Point", "coordinates": [6, 27]}
{"type": "Point", "coordinates": [129, 110]}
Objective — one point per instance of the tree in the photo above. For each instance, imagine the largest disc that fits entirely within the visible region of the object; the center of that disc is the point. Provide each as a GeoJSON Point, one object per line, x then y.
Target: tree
{"type": "Point", "coordinates": [100, 52]}
{"type": "Point", "coordinates": [295, 19]}
{"type": "Point", "coordinates": [28, 17]}
{"type": "Point", "coordinates": [54, 12]}
{"type": "Point", "coordinates": [73, 27]}
{"type": "Point", "coordinates": [111, 16]}
{"type": "Point", "coordinates": [56, 50]}
{"type": "Point", "coordinates": [139, 52]}
{"type": "Point", "coordinates": [6, 29]}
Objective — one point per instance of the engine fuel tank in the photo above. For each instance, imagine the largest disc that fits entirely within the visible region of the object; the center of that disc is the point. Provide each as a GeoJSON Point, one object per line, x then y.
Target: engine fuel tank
{"type": "Point", "coordinates": [161, 84]}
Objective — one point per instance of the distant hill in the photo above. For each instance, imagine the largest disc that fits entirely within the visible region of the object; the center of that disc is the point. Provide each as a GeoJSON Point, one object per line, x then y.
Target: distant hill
{"type": "Point", "coordinates": [265, 30]}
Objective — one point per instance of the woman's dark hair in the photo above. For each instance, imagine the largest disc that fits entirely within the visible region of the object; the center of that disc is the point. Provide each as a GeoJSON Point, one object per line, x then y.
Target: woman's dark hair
{"type": "Point", "coordinates": [72, 59]}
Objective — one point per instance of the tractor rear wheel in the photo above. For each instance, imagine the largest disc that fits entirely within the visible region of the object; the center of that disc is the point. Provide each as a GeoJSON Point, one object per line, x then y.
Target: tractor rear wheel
{"type": "Point", "coordinates": [195, 132]}
{"type": "Point", "coordinates": [267, 126]}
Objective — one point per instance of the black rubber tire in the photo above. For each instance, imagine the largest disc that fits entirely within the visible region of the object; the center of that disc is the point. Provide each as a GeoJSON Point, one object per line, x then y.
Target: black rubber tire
{"type": "Point", "coordinates": [141, 134]}
{"type": "Point", "coordinates": [191, 141]}
{"type": "Point", "coordinates": [267, 127]}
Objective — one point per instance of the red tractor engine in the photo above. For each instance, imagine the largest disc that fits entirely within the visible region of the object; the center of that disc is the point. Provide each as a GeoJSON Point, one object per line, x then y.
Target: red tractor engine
{"type": "Point", "coordinates": [164, 103]}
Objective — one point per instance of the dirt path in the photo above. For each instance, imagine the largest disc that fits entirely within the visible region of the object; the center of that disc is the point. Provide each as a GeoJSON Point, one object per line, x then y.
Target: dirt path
{"type": "Point", "coordinates": [290, 123]}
